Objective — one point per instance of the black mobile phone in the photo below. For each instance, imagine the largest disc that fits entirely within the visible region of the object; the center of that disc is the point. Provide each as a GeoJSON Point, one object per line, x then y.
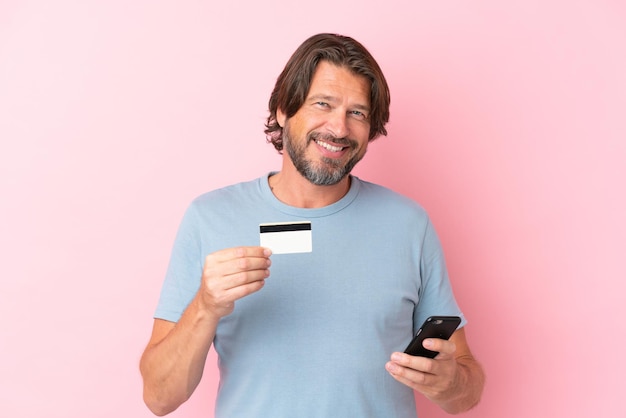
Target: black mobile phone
{"type": "Point", "coordinates": [441, 327]}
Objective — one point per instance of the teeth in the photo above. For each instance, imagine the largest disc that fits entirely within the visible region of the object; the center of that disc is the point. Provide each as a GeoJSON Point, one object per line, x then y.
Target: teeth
{"type": "Point", "coordinates": [328, 146]}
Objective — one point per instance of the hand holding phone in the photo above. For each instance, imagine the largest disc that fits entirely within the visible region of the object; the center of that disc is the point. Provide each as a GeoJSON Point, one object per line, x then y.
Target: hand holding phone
{"type": "Point", "coordinates": [441, 327]}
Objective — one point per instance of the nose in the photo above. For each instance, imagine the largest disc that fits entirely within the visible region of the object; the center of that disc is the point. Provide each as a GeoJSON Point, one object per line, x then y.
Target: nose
{"type": "Point", "coordinates": [338, 124]}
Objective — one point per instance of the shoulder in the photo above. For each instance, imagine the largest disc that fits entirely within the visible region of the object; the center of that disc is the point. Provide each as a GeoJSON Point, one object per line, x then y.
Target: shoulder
{"type": "Point", "coordinates": [227, 195]}
{"type": "Point", "coordinates": [386, 199]}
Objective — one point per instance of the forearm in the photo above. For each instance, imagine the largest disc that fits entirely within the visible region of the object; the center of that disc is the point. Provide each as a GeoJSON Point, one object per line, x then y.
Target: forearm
{"type": "Point", "coordinates": [172, 367]}
{"type": "Point", "coordinates": [467, 389]}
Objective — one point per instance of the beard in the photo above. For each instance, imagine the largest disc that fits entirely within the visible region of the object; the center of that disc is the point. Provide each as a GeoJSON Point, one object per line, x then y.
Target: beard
{"type": "Point", "coordinates": [328, 171]}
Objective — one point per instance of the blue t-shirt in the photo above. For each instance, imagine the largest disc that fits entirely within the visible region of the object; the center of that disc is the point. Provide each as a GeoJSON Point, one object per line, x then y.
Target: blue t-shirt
{"type": "Point", "coordinates": [313, 342]}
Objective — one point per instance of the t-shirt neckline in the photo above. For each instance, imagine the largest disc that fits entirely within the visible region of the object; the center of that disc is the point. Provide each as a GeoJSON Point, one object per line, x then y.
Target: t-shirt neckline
{"type": "Point", "coordinates": [339, 205]}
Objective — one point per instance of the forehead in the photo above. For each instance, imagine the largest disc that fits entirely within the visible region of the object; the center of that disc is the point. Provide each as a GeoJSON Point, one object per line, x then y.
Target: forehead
{"type": "Point", "coordinates": [339, 82]}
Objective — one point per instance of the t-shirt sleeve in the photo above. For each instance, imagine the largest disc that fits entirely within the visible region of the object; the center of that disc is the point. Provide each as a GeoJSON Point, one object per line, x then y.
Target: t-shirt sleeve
{"type": "Point", "coordinates": [184, 272]}
{"type": "Point", "coordinates": [436, 295]}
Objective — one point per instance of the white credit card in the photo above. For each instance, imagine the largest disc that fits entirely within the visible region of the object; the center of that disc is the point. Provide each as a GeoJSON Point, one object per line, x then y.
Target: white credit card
{"type": "Point", "coordinates": [287, 237]}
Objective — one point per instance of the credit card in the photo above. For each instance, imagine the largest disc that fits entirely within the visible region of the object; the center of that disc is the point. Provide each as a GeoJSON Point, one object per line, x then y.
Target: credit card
{"type": "Point", "coordinates": [287, 237]}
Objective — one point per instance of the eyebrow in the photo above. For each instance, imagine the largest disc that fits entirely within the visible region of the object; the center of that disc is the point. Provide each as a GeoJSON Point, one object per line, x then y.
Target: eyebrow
{"type": "Point", "coordinates": [332, 99]}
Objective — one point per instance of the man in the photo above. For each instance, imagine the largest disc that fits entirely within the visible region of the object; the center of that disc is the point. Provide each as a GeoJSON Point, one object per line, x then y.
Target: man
{"type": "Point", "coordinates": [322, 335]}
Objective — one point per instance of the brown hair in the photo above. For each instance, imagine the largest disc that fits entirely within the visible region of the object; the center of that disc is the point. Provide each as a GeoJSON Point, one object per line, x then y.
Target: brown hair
{"type": "Point", "coordinates": [293, 84]}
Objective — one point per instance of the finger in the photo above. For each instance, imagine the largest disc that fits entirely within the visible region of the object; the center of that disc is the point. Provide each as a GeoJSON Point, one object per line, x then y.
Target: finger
{"type": "Point", "coordinates": [444, 347]}
{"type": "Point", "coordinates": [410, 377]}
{"type": "Point", "coordinates": [234, 261]}
{"type": "Point", "coordinates": [218, 280]}
{"type": "Point", "coordinates": [237, 292]}
{"type": "Point", "coordinates": [244, 278]}
{"type": "Point", "coordinates": [244, 264]}
{"type": "Point", "coordinates": [419, 363]}
{"type": "Point", "coordinates": [240, 252]}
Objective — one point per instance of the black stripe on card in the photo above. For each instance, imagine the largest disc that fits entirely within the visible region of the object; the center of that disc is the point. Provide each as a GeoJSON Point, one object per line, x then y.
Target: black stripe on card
{"type": "Point", "coordinates": [302, 226]}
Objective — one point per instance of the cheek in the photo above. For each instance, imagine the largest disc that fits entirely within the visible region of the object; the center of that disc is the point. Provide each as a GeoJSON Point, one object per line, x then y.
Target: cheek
{"type": "Point", "coordinates": [299, 127]}
{"type": "Point", "coordinates": [360, 132]}
{"type": "Point", "coordinates": [363, 149]}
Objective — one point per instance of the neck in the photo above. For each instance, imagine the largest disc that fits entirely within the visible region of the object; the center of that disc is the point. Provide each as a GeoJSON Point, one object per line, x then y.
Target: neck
{"type": "Point", "coordinates": [295, 190]}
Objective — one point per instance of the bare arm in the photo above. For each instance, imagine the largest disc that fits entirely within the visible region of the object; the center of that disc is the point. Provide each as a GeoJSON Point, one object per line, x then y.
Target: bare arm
{"type": "Point", "coordinates": [173, 361]}
{"type": "Point", "coordinates": [454, 380]}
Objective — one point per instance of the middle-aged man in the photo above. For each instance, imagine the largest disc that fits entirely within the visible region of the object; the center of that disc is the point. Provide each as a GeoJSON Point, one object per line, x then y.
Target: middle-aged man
{"type": "Point", "coordinates": [355, 269]}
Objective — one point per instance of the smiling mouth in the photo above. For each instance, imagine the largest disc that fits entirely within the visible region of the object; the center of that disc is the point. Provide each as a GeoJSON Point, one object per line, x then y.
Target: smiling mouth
{"type": "Point", "coordinates": [328, 146]}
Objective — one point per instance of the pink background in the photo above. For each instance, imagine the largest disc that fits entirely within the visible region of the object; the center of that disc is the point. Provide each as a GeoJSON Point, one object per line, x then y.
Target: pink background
{"type": "Point", "coordinates": [508, 125]}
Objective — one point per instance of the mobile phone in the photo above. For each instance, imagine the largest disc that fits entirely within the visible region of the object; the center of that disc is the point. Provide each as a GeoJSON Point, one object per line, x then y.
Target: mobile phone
{"type": "Point", "coordinates": [441, 327]}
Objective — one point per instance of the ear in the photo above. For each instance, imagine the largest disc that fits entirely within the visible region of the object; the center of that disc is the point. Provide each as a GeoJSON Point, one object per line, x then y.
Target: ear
{"type": "Point", "coordinates": [281, 118]}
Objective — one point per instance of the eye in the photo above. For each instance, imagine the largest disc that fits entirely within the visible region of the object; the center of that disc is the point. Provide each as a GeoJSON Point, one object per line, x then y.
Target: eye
{"type": "Point", "coordinates": [322, 104]}
{"type": "Point", "coordinates": [358, 114]}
